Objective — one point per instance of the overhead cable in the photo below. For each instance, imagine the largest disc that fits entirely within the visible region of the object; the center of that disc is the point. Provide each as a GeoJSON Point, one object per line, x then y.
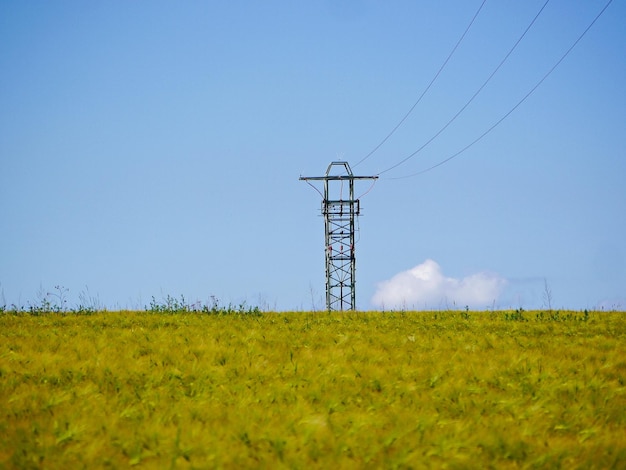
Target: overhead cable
{"type": "Point", "coordinates": [473, 96]}
{"type": "Point", "coordinates": [426, 89]}
{"type": "Point", "coordinates": [532, 90]}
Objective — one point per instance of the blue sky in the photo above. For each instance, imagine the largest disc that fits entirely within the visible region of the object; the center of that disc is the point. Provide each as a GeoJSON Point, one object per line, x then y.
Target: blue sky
{"type": "Point", "coordinates": [154, 148]}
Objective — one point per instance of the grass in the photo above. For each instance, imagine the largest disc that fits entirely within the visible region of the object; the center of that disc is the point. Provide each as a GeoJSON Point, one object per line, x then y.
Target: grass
{"type": "Point", "coordinates": [322, 390]}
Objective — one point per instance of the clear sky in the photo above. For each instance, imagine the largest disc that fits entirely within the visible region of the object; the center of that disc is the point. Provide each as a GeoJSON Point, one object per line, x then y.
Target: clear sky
{"type": "Point", "coordinates": [154, 148]}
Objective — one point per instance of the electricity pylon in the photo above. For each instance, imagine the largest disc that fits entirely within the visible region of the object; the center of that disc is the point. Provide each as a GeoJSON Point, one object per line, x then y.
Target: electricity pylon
{"type": "Point", "coordinates": [339, 215]}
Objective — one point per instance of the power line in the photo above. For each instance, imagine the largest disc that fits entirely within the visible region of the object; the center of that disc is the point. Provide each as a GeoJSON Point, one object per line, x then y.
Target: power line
{"type": "Point", "coordinates": [532, 90]}
{"type": "Point", "coordinates": [427, 88]}
{"type": "Point", "coordinates": [473, 96]}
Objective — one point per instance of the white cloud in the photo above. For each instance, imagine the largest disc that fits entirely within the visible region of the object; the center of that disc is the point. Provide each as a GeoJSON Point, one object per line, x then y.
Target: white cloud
{"type": "Point", "coordinates": [425, 286]}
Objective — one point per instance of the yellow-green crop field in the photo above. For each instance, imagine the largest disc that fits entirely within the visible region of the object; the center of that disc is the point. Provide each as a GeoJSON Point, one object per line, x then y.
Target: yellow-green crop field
{"type": "Point", "coordinates": [313, 390]}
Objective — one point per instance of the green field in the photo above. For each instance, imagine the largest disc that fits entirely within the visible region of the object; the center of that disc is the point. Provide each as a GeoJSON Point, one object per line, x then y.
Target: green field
{"type": "Point", "coordinates": [313, 390]}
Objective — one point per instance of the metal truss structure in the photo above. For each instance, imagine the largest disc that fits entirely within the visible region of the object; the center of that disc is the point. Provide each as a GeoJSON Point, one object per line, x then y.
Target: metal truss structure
{"type": "Point", "coordinates": [339, 210]}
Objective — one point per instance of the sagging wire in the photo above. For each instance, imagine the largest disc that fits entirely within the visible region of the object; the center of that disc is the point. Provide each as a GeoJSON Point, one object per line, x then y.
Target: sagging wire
{"type": "Point", "coordinates": [318, 191]}
{"type": "Point", "coordinates": [427, 88]}
{"type": "Point", "coordinates": [476, 93]}
{"type": "Point", "coordinates": [370, 188]}
{"type": "Point", "coordinates": [532, 90]}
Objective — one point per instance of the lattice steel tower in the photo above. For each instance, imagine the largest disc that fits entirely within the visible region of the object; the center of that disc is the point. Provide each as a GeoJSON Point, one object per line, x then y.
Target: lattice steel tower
{"type": "Point", "coordinates": [339, 213]}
